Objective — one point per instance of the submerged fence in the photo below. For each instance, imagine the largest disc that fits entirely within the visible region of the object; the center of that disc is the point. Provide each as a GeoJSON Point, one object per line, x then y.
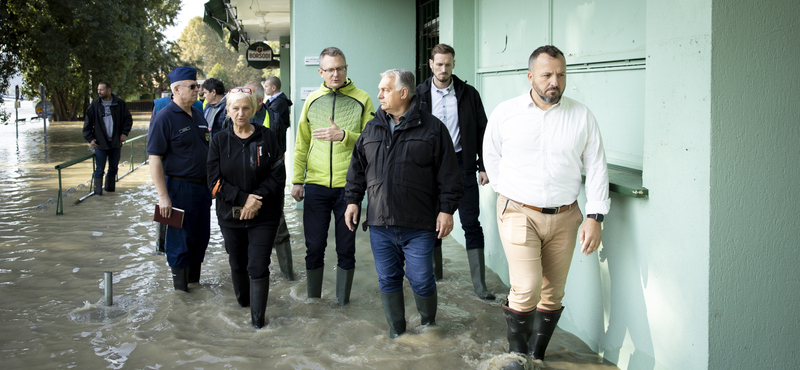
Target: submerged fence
{"type": "Point", "coordinates": [72, 162]}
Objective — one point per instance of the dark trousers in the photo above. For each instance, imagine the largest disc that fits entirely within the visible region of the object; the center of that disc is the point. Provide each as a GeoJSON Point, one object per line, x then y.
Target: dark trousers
{"type": "Point", "coordinates": [188, 244]}
{"type": "Point", "coordinates": [111, 156]}
{"type": "Point", "coordinates": [249, 248]}
{"type": "Point", "coordinates": [319, 203]}
{"type": "Point", "coordinates": [469, 208]}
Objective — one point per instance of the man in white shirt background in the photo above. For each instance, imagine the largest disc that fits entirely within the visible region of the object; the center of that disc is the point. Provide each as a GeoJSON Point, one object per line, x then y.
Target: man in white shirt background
{"type": "Point", "coordinates": [534, 149]}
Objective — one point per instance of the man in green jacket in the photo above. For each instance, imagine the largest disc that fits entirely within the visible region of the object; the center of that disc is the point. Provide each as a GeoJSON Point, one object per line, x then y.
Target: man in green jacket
{"type": "Point", "coordinates": [331, 122]}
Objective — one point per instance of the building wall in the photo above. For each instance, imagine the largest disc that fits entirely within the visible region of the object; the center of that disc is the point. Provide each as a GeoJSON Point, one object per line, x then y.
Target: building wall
{"type": "Point", "coordinates": [755, 186]}
{"type": "Point", "coordinates": [374, 36]}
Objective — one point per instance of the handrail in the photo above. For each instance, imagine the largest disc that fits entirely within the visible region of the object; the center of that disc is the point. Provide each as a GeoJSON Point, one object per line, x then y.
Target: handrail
{"type": "Point", "coordinates": [74, 161]}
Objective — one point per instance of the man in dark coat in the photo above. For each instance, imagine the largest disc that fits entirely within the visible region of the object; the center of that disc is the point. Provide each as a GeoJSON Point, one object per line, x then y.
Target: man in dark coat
{"type": "Point", "coordinates": [405, 159]}
{"type": "Point", "coordinates": [458, 105]}
{"type": "Point", "coordinates": [106, 127]}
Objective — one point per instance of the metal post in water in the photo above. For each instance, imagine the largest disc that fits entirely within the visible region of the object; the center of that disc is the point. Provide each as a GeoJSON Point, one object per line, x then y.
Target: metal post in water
{"type": "Point", "coordinates": [109, 295]}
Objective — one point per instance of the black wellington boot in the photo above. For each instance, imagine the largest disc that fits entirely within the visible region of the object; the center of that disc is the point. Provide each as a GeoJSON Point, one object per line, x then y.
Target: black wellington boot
{"type": "Point", "coordinates": [194, 272]}
{"type": "Point", "coordinates": [314, 282]}
{"type": "Point", "coordinates": [241, 288]}
{"type": "Point", "coordinates": [344, 281]}
{"type": "Point", "coordinates": [259, 292]}
{"type": "Point", "coordinates": [477, 269]}
{"type": "Point", "coordinates": [111, 184]}
{"type": "Point", "coordinates": [544, 324]}
{"type": "Point", "coordinates": [394, 307]}
{"type": "Point", "coordinates": [437, 260]}
{"type": "Point", "coordinates": [180, 279]}
{"type": "Point", "coordinates": [426, 306]}
{"type": "Point", "coordinates": [98, 185]}
{"type": "Point", "coordinates": [284, 253]}
{"type": "Point", "coordinates": [520, 330]}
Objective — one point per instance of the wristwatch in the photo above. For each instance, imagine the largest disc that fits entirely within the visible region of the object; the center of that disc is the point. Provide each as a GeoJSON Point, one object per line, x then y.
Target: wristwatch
{"type": "Point", "coordinates": [597, 216]}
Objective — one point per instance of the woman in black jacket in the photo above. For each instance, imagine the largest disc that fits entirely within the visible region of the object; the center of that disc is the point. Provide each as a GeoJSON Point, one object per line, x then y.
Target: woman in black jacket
{"type": "Point", "coordinates": [246, 175]}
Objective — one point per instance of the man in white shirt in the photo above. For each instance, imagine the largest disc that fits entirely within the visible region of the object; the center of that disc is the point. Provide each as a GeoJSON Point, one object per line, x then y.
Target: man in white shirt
{"type": "Point", "coordinates": [534, 149]}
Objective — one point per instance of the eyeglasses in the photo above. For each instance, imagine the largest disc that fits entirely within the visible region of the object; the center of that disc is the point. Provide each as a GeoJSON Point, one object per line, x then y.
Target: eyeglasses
{"type": "Point", "coordinates": [191, 87]}
{"type": "Point", "coordinates": [245, 90]}
{"type": "Point", "coordinates": [330, 71]}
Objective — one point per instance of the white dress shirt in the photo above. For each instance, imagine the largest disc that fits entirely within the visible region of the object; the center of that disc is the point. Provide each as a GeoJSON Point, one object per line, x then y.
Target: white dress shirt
{"type": "Point", "coordinates": [445, 108]}
{"type": "Point", "coordinates": [535, 157]}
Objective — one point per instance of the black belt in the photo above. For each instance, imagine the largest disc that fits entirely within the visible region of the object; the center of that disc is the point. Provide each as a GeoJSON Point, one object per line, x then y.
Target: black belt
{"type": "Point", "coordinates": [552, 210]}
{"type": "Point", "coordinates": [188, 179]}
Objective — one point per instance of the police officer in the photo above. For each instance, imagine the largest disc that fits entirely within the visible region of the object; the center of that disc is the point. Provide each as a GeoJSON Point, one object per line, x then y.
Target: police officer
{"type": "Point", "coordinates": [178, 149]}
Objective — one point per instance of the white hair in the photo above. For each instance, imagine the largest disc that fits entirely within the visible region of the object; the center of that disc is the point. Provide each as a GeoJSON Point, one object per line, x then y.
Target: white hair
{"type": "Point", "coordinates": [402, 78]}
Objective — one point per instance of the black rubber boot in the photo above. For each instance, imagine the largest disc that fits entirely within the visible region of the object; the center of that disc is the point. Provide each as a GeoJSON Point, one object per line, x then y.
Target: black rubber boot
{"type": "Point", "coordinates": [161, 235]}
{"type": "Point", "coordinates": [520, 330]}
{"type": "Point", "coordinates": [344, 281]}
{"type": "Point", "coordinates": [394, 307]}
{"type": "Point", "coordinates": [314, 282]}
{"type": "Point", "coordinates": [98, 185]}
{"type": "Point", "coordinates": [194, 272]}
{"type": "Point", "coordinates": [437, 260]}
{"type": "Point", "coordinates": [259, 292]}
{"type": "Point", "coordinates": [180, 279]}
{"type": "Point", "coordinates": [241, 288]}
{"type": "Point", "coordinates": [477, 269]}
{"type": "Point", "coordinates": [544, 324]}
{"type": "Point", "coordinates": [284, 253]}
{"type": "Point", "coordinates": [111, 184]}
{"type": "Point", "coordinates": [426, 306]}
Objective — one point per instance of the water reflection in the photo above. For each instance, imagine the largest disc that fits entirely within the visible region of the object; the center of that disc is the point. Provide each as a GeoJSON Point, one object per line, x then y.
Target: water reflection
{"type": "Point", "coordinates": [51, 278]}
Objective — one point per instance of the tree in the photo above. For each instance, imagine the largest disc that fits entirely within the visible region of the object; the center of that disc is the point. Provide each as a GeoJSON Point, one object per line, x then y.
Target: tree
{"type": "Point", "coordinates": [72, 45]}
{"type": "Point", "coordinates": [199, 43]}
{"type": "Point", "coordinates": [221, 73]}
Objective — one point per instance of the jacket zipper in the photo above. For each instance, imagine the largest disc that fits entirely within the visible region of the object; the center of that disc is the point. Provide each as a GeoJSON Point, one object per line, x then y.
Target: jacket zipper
{"type": "Point", "coordinates": [333, 112]}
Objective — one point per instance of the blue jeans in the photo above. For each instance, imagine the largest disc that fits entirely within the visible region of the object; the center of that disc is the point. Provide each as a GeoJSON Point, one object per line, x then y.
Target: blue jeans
{"type": "Point", "coordinates": [394, 245]}
{"type": "Point", "coordinates": [111, 155]}
{"type": "Point", "coordinates": [469, 208]}
{"type": "Point", "coordinates": [318, 204]}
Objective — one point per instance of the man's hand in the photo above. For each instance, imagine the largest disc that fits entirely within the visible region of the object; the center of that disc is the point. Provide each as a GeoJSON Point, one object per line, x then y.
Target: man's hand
{"type": "Point", "coordinates": [94, 144]}
{"type": "Point", "coordinates": [351, 216]}
{"type": "Point", "coordinates": [444, 224]}
{"type": "Point", "coordinates": [252, 205]}
{"type": "Point", "coordinates": [123, 138]}
{"type": "Point", "coordinates": [165, 206]}
{"type": "Point", "coordinates": [333, 133]}
{"type": "Point", "coordinates": [590, 235]}
{"type": "Point", "coordinates": [297, 192]}
{"type": "Point", "coordinates": [483, 178]}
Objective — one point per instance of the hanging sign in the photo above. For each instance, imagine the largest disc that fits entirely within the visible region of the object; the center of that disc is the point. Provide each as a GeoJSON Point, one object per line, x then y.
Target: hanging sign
{"type": "Point", "coordinates": [259, 55]}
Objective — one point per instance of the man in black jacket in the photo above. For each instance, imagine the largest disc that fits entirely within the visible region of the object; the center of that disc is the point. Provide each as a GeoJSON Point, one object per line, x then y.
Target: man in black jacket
{"type": "Point", "coordinates": [279, 102]}
{"type": "Point", "coordinates": [405, 158]}
{"type": "Point", "coordinates": [458, 105]}
{"type": "Point", "coordinates": [106, 127]}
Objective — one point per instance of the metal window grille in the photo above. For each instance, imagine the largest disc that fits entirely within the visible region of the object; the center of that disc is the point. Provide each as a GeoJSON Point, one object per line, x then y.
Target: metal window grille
{"type": "Point", "coordinates": [427, 35]}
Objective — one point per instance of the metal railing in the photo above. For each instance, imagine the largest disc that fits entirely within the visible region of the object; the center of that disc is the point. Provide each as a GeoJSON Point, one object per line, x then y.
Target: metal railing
{"type": "Point", "coordinates": [72, 162]}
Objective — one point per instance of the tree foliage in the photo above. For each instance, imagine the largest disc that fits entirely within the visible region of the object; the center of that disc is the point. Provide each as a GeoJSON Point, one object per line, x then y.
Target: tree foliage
{"type": "Point", "coordinates": [72, 45]}
{"type": "Point", "coordinates": [200, 44]}
{"type": "Point", "coordinates": [221, 73]}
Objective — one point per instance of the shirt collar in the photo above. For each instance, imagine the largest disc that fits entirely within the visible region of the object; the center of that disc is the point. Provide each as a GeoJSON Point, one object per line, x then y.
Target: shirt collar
{"type": "Point", "coordinates": [446, 90]}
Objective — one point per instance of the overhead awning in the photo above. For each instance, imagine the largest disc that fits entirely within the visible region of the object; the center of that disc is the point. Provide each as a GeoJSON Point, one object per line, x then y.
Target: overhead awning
{"type": "Point", "coordinates": [218, 15]}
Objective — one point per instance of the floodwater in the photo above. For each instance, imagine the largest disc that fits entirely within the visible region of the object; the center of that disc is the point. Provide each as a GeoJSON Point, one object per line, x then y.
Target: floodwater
{"type": "Point", "coordinates": [52, 312]}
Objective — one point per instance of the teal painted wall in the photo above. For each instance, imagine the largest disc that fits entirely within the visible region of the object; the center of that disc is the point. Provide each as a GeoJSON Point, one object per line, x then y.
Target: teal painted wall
{"type": "Point", "coordinates": [374, 36]}
{"type": "Point", "coordinates": [755, 186]}
{"type": "Point", "coordinates": [286, 67]}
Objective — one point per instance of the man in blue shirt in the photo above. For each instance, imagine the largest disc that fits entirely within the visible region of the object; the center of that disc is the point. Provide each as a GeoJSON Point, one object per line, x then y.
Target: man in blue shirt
{"type": "Point", "coordinates": [178, 150]}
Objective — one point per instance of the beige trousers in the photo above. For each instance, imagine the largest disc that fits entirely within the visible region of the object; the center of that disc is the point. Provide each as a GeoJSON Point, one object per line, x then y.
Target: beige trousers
{"type": "Point", "coordinates": [539, 250]}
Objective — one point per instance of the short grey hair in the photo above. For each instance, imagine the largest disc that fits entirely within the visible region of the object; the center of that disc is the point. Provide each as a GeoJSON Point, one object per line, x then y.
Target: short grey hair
{"type": "Point", "coordinates": [172, 87]}
{"type": "Point", "coordinates": [259, 89]}
{"type": "Point", "coordinates": [402, 78]}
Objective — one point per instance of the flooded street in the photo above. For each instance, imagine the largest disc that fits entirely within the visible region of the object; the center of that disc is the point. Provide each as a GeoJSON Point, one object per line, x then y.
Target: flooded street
{"type": "Point", "coordinates": [52, 312]}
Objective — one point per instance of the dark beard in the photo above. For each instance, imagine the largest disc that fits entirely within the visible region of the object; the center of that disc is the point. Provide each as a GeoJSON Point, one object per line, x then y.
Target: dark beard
{"type": "Point", "coordinates": [547, 99]}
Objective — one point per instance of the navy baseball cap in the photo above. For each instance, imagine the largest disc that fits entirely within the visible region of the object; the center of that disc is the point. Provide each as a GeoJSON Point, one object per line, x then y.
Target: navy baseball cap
{"type": "Point", "coordinates": [182, 73]}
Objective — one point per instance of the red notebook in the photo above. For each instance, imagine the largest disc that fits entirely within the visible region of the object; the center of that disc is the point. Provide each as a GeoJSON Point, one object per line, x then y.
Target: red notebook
{"type": "Point", "coordinates": [175, 219]}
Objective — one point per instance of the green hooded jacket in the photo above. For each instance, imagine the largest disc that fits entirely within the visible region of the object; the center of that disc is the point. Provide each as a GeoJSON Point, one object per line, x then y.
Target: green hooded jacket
{"type": "Point", "coordinates": [322, 162]}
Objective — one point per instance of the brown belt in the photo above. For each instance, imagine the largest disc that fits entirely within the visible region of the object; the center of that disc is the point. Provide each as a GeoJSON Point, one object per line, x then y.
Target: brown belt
{"type": "Point", "coordinates": [551, 211]}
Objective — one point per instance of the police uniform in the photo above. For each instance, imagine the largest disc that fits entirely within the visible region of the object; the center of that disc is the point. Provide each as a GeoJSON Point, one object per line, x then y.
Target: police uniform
{"type": "Point", "coordinates": [182, 142]}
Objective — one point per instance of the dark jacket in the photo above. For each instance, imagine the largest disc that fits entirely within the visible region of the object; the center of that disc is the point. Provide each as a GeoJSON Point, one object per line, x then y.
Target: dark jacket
{"type": "Point", "coordinates": [471, 119]}
{"type": "Point", "coordinates": [219, 119]}
{"type": "Point", "coordinates": [253, 167]}
{"type": "Point", "coordinates": [281, 105]}
{"type": "Point", "coordinates": [410, 176]}
{"type": "Point", "coordinates": [95, 129]}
